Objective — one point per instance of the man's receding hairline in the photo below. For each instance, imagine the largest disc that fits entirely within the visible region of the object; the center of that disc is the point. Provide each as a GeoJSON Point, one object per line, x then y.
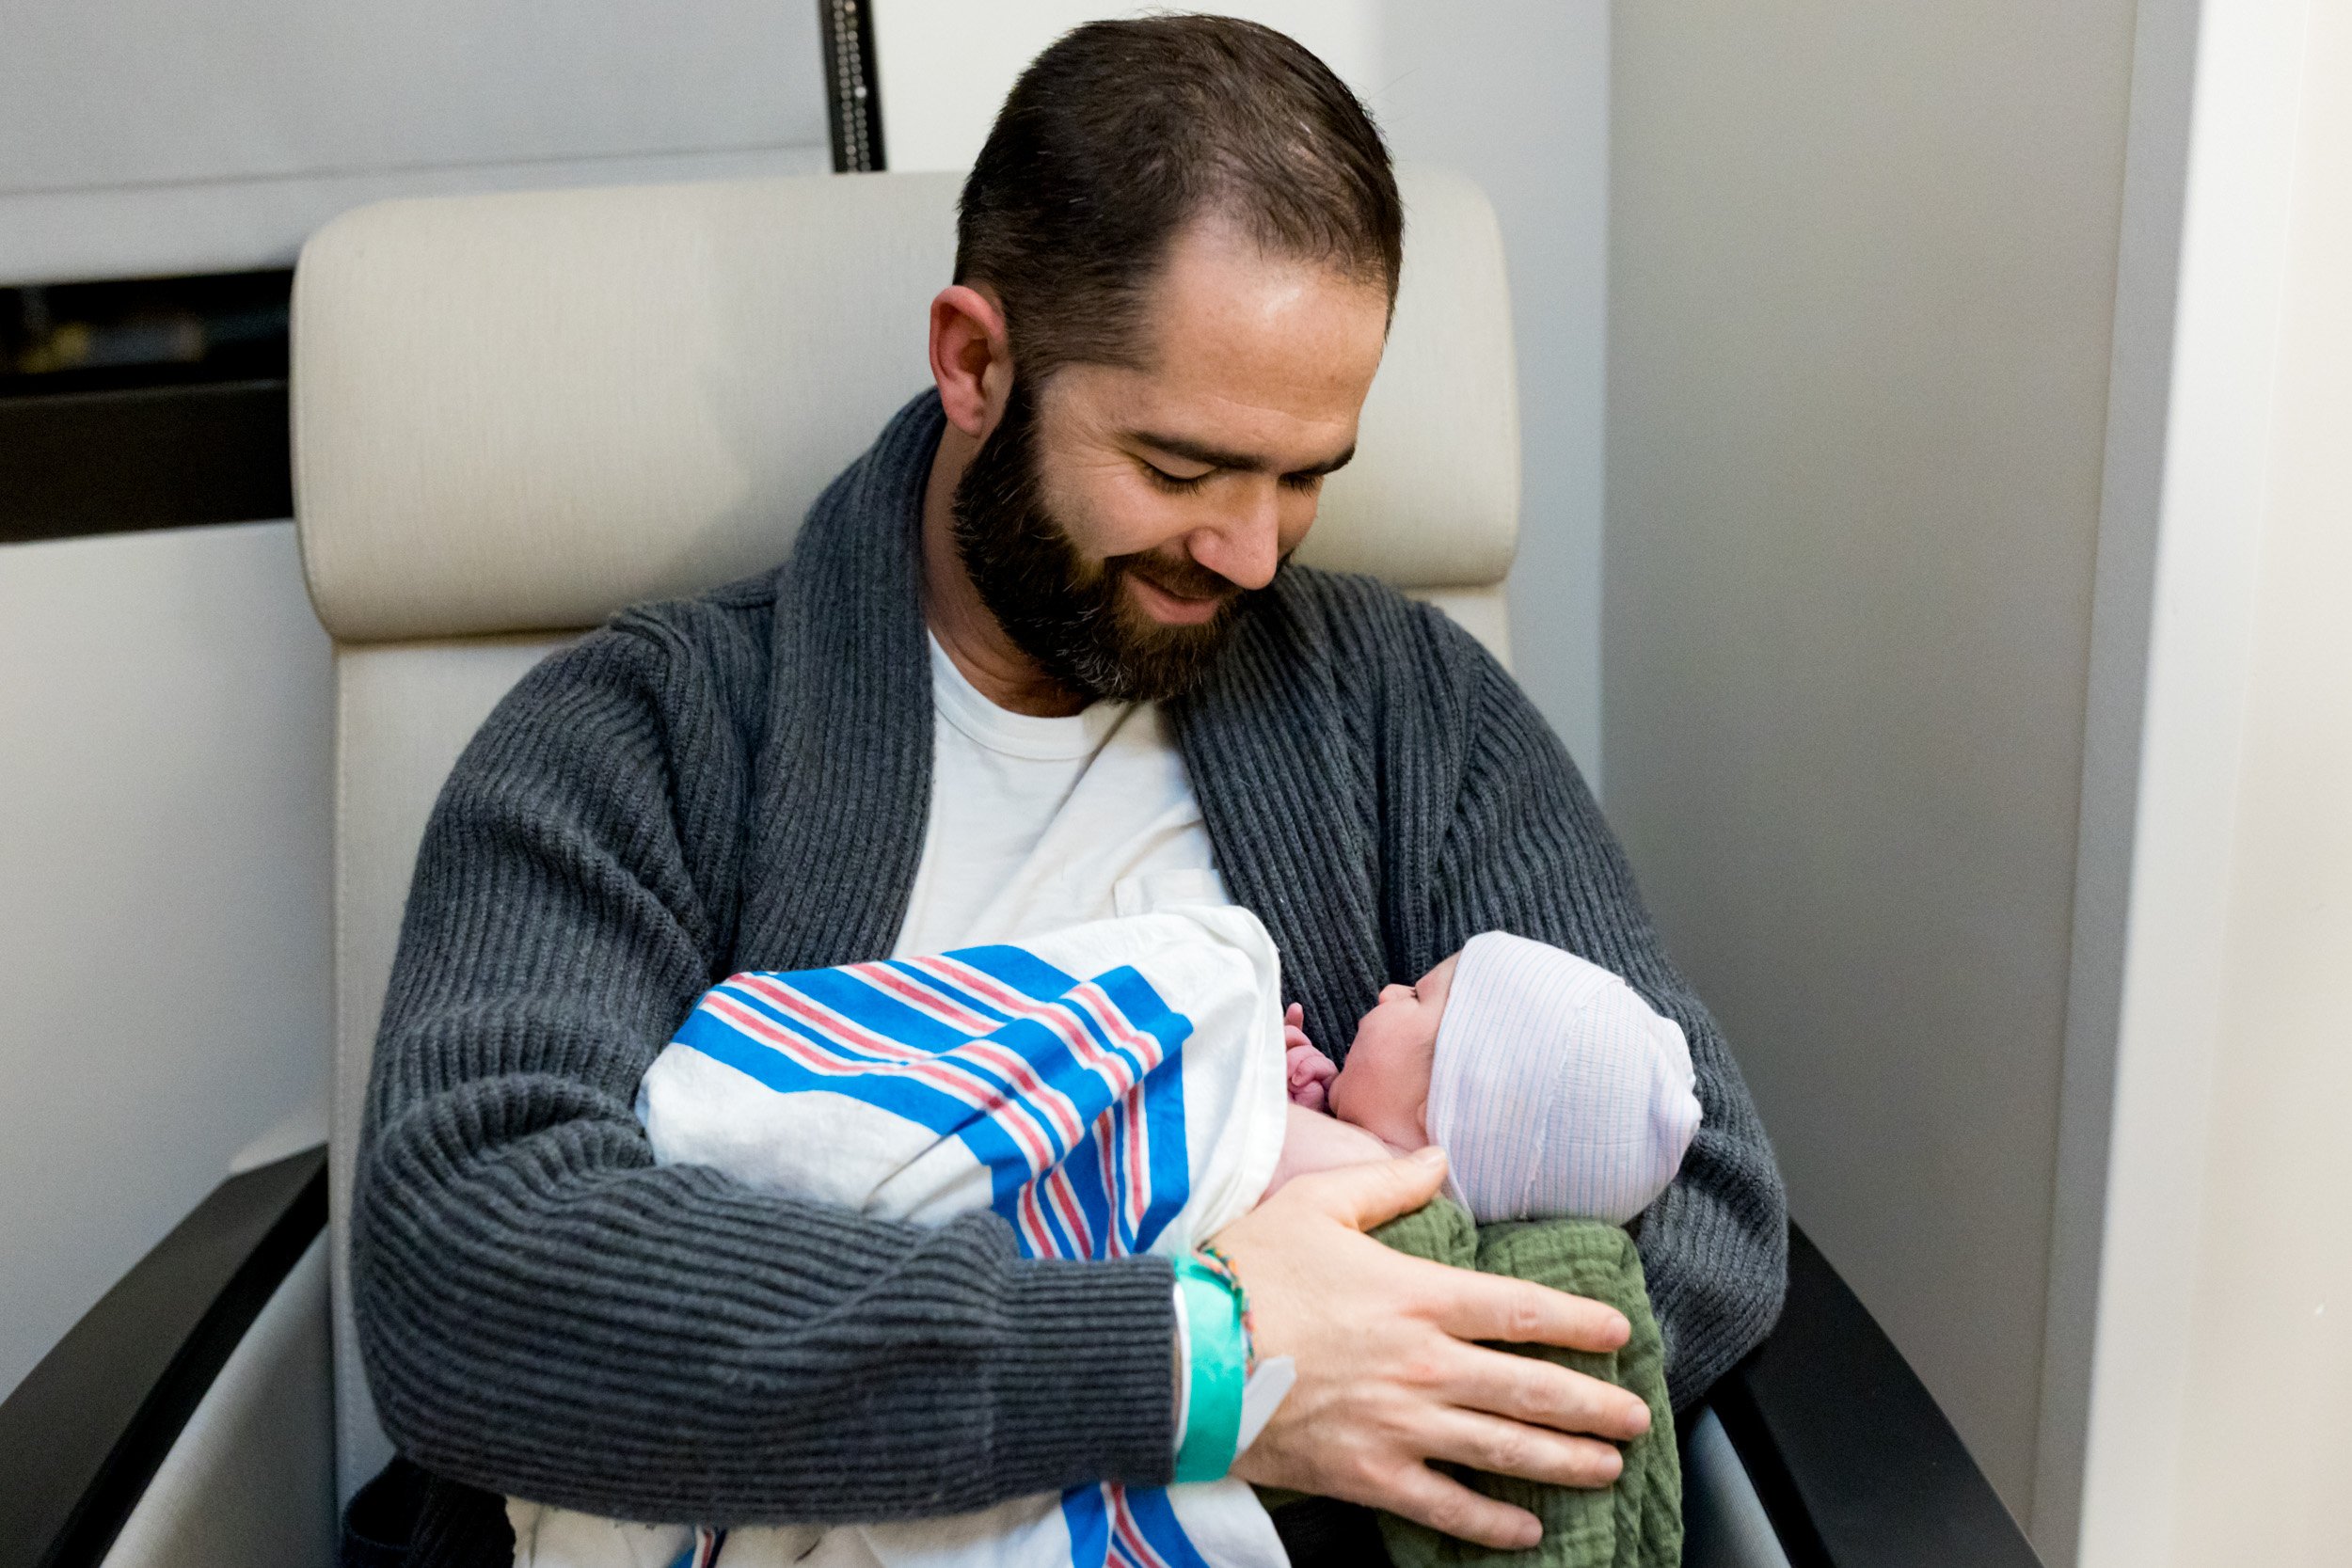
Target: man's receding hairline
{"type": "Point", "coordinates": [1139, 355]}
{"type": "Point", "coordinates": [1366, 271]}
{"type": "Point", "coordinates": [1124, 133]}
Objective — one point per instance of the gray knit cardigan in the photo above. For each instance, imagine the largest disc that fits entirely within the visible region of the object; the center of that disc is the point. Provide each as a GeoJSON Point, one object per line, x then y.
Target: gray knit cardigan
{"type": "Point", "coordinates": [741, 781]}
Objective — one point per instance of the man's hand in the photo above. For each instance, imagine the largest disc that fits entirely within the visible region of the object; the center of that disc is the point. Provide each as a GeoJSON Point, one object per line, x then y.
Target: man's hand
{"type": "Point", "coordinates": [1390, 1376]}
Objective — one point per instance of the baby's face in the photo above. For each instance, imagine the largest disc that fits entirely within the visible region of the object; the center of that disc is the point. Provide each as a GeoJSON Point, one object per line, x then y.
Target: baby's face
{"type": "Point", "coordinates": [1383, 1087]}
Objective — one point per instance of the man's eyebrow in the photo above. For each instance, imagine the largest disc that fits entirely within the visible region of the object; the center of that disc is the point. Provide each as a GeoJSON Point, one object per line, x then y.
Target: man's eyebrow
{"type": "Point", "coordinates": [1240, 462]}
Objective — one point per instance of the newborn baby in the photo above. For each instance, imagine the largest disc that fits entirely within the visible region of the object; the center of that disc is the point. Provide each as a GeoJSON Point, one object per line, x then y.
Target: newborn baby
{"type": "Point", "coordinates": [1554, 1089]}
{"type": "Point", "coordinates": [1126, 1087]}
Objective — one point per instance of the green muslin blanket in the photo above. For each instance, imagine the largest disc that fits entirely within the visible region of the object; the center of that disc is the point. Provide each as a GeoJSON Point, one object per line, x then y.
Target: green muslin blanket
{"type": "Point", "coordinates": [1636, 1523]}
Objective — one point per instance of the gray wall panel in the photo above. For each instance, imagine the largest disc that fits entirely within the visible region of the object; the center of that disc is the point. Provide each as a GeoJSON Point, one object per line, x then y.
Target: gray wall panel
{"type": "Point", "coordinates": [149, 136]}
{"type": "Point", "coordinates": [1862, 269]}
{"type": "Point", "coordinates": [166, 814]}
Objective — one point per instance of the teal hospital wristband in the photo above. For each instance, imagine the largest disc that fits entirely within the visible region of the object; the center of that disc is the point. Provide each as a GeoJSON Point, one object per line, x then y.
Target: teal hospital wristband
{"type": "Point", "coordinates": [1220, 1370]}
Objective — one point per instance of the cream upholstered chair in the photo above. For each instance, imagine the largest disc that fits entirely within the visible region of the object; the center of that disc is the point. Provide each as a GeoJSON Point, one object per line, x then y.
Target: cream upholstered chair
{"type": "Point", "coordinates": [515, 414]}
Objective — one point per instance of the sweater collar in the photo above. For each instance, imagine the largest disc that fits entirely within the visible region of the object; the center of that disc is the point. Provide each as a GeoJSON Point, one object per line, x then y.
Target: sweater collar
{"type": "Point", "coordinates": [1286, 791]}
{"type": "Point", "coordinates": [842, 791]}
{"type": "Point", "coordinates": [843, 788]}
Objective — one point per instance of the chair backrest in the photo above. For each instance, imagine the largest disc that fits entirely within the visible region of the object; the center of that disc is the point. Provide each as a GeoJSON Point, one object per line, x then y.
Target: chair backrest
{"type": "Point", "coordinates": [516, 414]}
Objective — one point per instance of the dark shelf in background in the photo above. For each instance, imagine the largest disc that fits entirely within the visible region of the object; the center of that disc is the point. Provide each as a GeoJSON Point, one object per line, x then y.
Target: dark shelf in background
{"type": "Point", "coordinates": [143, 404]}
{"type": "Point", "coordinates": [143, 457]}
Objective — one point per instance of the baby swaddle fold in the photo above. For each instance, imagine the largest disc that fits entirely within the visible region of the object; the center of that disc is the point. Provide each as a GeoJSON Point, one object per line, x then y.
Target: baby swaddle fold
{"type": "Point", "coordinates": [1109, 1089]}
{"type": "Point", "coordinates": [1637, 1522]}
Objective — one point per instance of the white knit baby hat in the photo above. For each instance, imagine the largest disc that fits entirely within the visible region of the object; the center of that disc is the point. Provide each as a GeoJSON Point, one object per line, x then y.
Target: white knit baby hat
{"type": "Point", "coordinates": [1557, 1091]}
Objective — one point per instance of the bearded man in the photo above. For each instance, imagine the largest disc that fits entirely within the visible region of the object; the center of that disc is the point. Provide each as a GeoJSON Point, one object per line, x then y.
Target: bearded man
{"type": "Point", "coordinates": [1040, 639]}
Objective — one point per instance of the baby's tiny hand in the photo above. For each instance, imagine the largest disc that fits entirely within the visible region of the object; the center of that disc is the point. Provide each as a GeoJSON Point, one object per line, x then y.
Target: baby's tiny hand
{"type": "Point", "coordinates": [1309, 1070]}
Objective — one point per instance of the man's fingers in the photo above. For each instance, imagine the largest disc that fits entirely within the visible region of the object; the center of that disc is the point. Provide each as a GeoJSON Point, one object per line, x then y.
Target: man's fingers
{"type": "Point", "coordinates": [1362, 1197]}
{"type": "Point", "coordinates": [1511, 1448]}
{"type": "Point", "coordinates": [1520, 1312]}
{"type": "Point", "coordinates": [1450, 1508]}
{"type": "Point", "coordinates": [1524, 1388]}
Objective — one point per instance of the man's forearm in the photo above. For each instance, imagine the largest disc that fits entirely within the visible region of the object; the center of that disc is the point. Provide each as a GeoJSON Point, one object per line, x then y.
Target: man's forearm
{"type": "Point", "coordinates": [544, 1312]}
{"type": "Point", "coordinates": [660, 1344]}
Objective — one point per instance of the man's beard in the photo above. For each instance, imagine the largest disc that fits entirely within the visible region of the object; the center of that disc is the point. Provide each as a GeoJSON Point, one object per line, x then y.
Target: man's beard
{"type": "Point", "coordinates": [1075, 617]}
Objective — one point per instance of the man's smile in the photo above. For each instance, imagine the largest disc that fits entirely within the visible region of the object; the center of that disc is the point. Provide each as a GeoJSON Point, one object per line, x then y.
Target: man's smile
{"type": "Point", "coordinates": [1172, 608]}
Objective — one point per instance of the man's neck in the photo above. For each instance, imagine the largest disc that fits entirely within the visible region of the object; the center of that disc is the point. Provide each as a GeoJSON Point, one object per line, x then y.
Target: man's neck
{"type": "Point", "coordinates": [991, 661]}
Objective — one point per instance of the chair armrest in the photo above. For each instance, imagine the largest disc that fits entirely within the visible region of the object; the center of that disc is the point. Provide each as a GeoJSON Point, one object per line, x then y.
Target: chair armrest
{"type": "Point", "coordinates": [1855, 1462]}
{"type": "Point", "coordinates": [83, 1434]}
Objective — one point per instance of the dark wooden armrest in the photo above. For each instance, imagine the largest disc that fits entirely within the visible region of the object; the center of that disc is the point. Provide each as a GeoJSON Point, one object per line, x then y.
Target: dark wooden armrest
{"type": "Point", "coordinates": [82, 1435]}
{"type": "Point", "coordinates": [1855, 1462]}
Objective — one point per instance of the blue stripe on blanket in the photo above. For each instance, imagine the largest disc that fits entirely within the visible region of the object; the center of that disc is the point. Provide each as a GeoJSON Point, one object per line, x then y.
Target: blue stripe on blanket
{"type": "Point", "coordinates": [1131, 1526]}
{"type": "Point", "coordinates": [1070, 1092]}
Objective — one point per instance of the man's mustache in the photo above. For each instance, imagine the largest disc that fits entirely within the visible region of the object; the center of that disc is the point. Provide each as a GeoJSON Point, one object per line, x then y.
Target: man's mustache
{"type": "Point", "coordinates": [1185, 576]}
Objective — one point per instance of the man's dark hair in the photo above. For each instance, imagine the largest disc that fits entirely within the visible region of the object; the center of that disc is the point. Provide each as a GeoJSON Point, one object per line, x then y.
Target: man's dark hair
{"type": "Point", "coordinates": [1121, 133]}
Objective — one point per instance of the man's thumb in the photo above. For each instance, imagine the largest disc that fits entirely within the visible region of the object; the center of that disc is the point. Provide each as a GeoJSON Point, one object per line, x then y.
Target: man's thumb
{"type": "Point", "coordinates": [1375, 1194]}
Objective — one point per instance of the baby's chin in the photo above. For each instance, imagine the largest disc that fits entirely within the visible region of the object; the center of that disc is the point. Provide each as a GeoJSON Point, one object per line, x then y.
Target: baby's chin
{"type": "Point", "coordinates": [1403, 1127]}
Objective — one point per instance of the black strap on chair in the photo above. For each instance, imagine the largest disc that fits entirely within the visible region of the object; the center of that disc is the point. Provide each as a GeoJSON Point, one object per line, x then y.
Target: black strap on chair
{"type": "Point", "coordinates": [382, 1518]}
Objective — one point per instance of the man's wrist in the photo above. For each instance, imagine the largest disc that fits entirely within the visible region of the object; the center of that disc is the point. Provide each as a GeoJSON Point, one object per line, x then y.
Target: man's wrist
{"type": "Point", "coordinates": [1183, 1358]}
{"type": "Point", "coordinates": [1213, 1355]}
{"type": "Point", "coordinates": [1102, 1326]}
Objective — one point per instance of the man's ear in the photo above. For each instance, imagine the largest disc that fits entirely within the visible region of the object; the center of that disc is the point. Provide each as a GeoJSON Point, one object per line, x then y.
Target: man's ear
{"type": "Point", "coordinates": [971, 357]}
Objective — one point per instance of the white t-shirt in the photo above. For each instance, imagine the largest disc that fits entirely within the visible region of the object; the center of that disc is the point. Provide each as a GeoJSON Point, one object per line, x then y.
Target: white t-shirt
{"type": "Point", "coordinates": [1040, 823]}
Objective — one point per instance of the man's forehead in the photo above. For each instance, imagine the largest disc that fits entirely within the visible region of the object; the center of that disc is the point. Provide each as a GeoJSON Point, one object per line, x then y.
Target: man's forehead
{"type": "Point", "coordinates": [1254, 360]}
{"type": "Point", "coordinates": [1220, 303]}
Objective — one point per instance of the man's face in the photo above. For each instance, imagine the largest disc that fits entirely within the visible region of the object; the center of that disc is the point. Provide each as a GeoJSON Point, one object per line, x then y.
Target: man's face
{"type": "Point", "coordinates": [1113, 518]}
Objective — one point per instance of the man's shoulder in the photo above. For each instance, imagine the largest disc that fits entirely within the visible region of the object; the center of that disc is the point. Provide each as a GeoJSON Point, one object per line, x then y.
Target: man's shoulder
{"type": "Point", "coordinates": [1362, 621]}
{"type": "Point", "coordinates": [706, 654]}
{"type": "Point", "coordinates": [730, 623]}
{"type": "Point", "coordinates": [721, 638]}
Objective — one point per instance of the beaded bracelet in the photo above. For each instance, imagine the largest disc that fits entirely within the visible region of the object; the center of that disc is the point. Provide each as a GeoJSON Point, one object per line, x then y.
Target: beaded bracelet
{"type": "Point", "coordinates": [1218, 1264]}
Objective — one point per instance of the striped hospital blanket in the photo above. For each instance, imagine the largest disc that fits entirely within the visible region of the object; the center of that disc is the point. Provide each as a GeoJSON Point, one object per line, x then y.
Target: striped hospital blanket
{"type": "Point", "coordinates": [1109, 1089]}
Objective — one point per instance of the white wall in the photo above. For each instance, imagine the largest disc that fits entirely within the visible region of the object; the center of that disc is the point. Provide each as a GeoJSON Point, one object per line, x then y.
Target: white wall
{"type": "Point", "coordinates": [165, 733]}
{"type": "Point", "coordinates": [165, 722]}
{"type": "Point", "coordinates": [149, 136]}
{"type": "Point", "coordinates": [2270, 1328]}
{"type": "Point", "coordinates": [1862, 282]}
{"type": "Point", "coordinates": [2223, 1373]}
{"type": "Point", "coordinates": [945, 67]}
{"type": "Point", "coordinates": [1513, 93]}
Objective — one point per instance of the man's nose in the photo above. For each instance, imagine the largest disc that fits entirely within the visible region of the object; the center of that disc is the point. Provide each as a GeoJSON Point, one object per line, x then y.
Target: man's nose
{"type": "Point", "coordinates": [1246, 545]}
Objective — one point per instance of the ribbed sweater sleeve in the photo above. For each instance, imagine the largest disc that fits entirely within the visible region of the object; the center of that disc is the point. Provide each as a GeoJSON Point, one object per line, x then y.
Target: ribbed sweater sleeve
{"type": "Point", "coordinates": [543, 1311]}
{"type": "Point", "coordinates": [1527, 850]}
